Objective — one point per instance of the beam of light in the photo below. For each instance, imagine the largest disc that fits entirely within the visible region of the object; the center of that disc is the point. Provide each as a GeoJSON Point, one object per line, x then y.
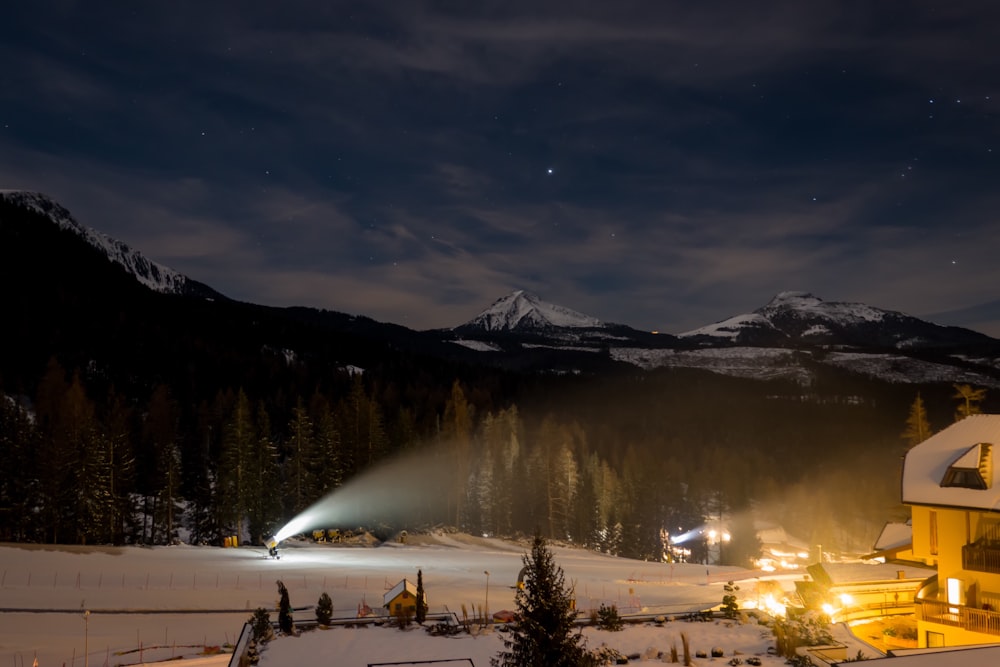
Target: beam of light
{"type": "Point", "coordinates": [407, 489]}
{"type": "Point", "coordinates": [691, 534]}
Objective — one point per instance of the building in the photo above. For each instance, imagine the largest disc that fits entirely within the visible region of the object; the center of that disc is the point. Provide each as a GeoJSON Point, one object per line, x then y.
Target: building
{"type": "Point", "coordinates": [894, 543]}
{"type": "Point", "coordinates": [851, 591]}
{"type": "Point", "coordinates": [952, 485]}
{"type": "Point", "coordinates": [401, 598]}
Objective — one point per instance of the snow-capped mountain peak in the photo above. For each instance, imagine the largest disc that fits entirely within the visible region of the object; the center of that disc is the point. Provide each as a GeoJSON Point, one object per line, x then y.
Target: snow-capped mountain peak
{"type": "Point", "coordinates": [153, 275]}
{"type": "Point", "coordinates": [805, 304]}
{"type": "Point", "coordinates": [521, 310]}
{"type": "Point", "coordinates": [801, 318]}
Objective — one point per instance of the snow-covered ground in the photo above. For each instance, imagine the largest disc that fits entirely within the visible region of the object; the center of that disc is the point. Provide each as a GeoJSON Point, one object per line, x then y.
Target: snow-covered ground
{"type": "Point", "coordinates": [174, 601]}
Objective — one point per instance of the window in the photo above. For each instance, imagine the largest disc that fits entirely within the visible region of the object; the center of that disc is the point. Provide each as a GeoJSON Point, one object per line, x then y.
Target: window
{"type": "Point", "coordinates": [935, 639]}
{"type": "Point", "coordinates": [954, 594]}
{"type": "Point", "coordinates": [971, 470]}
{"type": "Point", "coordinates": [933, 533]}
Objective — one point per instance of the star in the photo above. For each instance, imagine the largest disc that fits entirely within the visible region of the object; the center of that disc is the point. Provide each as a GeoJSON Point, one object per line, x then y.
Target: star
{"type": "Point", "coordinates": [550, 171]}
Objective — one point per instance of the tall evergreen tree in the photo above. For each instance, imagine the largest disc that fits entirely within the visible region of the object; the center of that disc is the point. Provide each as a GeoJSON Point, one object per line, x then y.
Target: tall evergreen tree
{"type": "Point", "coordinates": [918, 428]}
{"type": "Point", "coordinates": [543, 635]}
{"type": "Point", "coordinates": [329, 473]}
{"type": "Point", "coordinates": [161, 486]}
{"type": "Point", "coordinates": [56, 456]}
{"type": "Point", "coordinates": [301, 462]}
{"type": "Point", "coordinates": [17, 488]}
{"type": "Point", "coordinates": [238, 442]}
{"type": "Point", "coordinates": [456, 432]}
{"type": "Point", "coordinates": [969, 399]}
{"type": "Point", "coordinates": [261, 490]}
{"type": "Point", "coordinates": [121, 462]}
{"type": "Point", "coordinates": [90, 477]}
{"type": "Point", "coordinates": [421, 611]}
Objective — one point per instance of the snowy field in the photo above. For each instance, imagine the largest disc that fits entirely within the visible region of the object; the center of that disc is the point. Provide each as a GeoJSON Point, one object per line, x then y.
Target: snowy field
{"type": "Point", "coordinates": [175, 601]}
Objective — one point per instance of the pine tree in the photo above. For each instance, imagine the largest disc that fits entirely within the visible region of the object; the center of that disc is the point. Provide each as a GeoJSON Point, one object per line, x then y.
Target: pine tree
{"type": "Point", "coordinates": [17, 491]}
{"type": "Point", "coordinates": [284, 609]}
{"type": "Point", "coordinates": [969, 400]}
{"type": "Point", "coordinates": [301, 461]}
{"type": "Point", "coordinates": [421, 612]}
{"type": "Point", "coordinates": [918, 428]}
{"type": "Point", "coordinates": [160, 432]}
{"type": "Point", "coordinates": [543, 635]}
{"type": "Point", "coordinates": [261, 501]}
{"type": "Point", "coordinates": [324, 609]}
{"type": "Point", "coordinates": [121, 461]}
{"type": "Point", "coordinates": [456, 432]}
{"type": "Point", "coordinates": [238, 442]}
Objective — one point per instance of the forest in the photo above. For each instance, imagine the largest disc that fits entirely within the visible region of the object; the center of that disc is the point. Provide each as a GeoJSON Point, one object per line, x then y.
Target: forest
{"type": "Point", "coordinates": [612, 463]}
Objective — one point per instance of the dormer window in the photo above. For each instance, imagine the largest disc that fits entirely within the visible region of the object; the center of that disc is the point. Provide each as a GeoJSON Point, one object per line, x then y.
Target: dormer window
{"type": "Point", "coordinates": [972, 470]}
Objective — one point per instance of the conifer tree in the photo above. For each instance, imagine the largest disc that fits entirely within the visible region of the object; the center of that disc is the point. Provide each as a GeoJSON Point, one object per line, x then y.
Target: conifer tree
{"type": "Point", "coordinates": [238, 442]}
{"type": "Point", "coordinates": [918, 428]}
{"type": "Point", "coordinates": [301, 461]}
{"type": "Point", "coordinates": [284, 609]}
{"type": "Point", "coordinates": [324, 609]}
{"type": "Point", "coordinates": [17, 491]}
{"type": "Point", "coordinates": [261, 501]}
{"type": "Point", "coordinates": [421, 611]}
{"type": "Point", "coordinates": [543, 635]}
{"type": "Point", "coordinates": [969, 399]}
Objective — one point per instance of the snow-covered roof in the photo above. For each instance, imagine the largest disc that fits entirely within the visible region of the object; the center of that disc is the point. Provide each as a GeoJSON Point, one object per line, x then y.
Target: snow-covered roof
{"type": "Point", "coordinates": [398, 589]}
{"type": "Point", "coordinates": [894, 535]}
{"type": "Point", "coordinates": [853, 573]}
{"type": "Point", "coordinates": [967, 656]}
{"type": "Point", "coordinates": [958, 448]}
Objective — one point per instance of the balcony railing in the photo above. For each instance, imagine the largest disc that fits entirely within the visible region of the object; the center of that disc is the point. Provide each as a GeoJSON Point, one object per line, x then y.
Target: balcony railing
{"type": "Point", "coordinates": [981, 558]}
{"type": "Point", "coordinates": [967, 618]}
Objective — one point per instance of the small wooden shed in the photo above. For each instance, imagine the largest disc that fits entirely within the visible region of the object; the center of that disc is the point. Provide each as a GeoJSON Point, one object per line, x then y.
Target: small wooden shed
{"type": "Point", "coordinates": [402, 598]}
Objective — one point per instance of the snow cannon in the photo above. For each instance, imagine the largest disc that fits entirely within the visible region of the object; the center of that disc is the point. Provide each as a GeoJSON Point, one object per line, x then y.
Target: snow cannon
{"type": "Point", "coordinates": [272, 548]}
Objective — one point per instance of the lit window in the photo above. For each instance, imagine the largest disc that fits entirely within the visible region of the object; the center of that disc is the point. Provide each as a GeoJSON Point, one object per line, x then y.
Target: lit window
{"type": "Point", "coordinates": [971, 470]}
{"type": "Point", "coordinates": [954, 594]}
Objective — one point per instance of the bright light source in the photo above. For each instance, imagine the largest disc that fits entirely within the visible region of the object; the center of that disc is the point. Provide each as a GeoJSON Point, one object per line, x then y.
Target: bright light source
{"type": "Point", "coordinates": [773, 607]}
{"type": "Point", "coordinates": [828, 609]}
{"type": "Point", "coordinates": [846, 599]}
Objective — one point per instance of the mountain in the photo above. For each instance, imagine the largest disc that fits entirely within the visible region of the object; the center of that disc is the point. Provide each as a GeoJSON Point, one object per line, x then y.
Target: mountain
{"type": "Point", "coordinates": [101, 305]}
{"type": "Point", "coordinates": [522, 311]}
{"type": "Point", "coordinates": [93, 303]}
{"type": "Point", "coordinates": [794, 337]}
{"type": "Point", "coordinates": [795, 319]}
{"type": "Point", "coordinates": [147, 272]}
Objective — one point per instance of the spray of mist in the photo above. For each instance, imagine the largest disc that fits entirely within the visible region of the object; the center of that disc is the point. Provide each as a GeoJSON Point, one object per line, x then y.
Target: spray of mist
{"type": "Point", "coordinates": [396, 492]}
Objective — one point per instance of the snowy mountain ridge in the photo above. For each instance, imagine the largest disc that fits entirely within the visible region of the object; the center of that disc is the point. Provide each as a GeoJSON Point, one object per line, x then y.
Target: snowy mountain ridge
{"type": "Point", "coordinates": [153, 275]}
{"type": "Point", "coordinates": [801, 318]}
{"type": "Point", "coordinates": [795, 305]}
{"type": "Point", "coordinates": [523, 311]}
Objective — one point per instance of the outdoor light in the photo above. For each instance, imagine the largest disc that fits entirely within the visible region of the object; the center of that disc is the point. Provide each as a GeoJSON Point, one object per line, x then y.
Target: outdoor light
{"type": "Point", "coordinates": [86, 638]}
{"type": "Point", "coordinates": [487, 573]}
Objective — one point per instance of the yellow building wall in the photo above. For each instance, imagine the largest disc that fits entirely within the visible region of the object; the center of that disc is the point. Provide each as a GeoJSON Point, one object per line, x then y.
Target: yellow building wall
{"type": "Point", "coordinates": [953, 636]}
{"type": "Point", "coordinates": [920, 523]}
{"type": "Point", "coordinates": [402, 602]}
{"type": "Point", "coordinates": [955, 528]}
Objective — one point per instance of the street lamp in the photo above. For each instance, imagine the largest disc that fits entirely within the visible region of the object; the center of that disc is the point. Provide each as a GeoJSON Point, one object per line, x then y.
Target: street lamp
{"type": "Point", "coordinates": [487, 573]}
{"type": "Point", "coordinates": [86, 638]}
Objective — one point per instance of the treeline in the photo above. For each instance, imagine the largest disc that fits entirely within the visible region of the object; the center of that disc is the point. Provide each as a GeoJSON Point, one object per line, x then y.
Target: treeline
{"type": "Point", "coordinates": [613, 465]}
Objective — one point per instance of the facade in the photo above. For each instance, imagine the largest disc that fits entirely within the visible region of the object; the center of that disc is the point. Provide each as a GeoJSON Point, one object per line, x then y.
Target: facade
{"type": "Point", "coordinates": [401, 598]}
{"type": "Point", "coordinates": [952, 485]}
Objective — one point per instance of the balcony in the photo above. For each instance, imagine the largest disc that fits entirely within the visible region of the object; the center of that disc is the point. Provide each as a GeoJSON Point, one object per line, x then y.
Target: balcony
{"type": "Point", "coordinates": [981, 557]}
{"type": "Point", "coordinates": [968, 618]}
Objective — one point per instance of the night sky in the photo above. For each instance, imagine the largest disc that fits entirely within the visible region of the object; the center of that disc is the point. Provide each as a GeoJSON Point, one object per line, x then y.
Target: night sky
{"type": "Point", "coordinates": [659, 164]}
